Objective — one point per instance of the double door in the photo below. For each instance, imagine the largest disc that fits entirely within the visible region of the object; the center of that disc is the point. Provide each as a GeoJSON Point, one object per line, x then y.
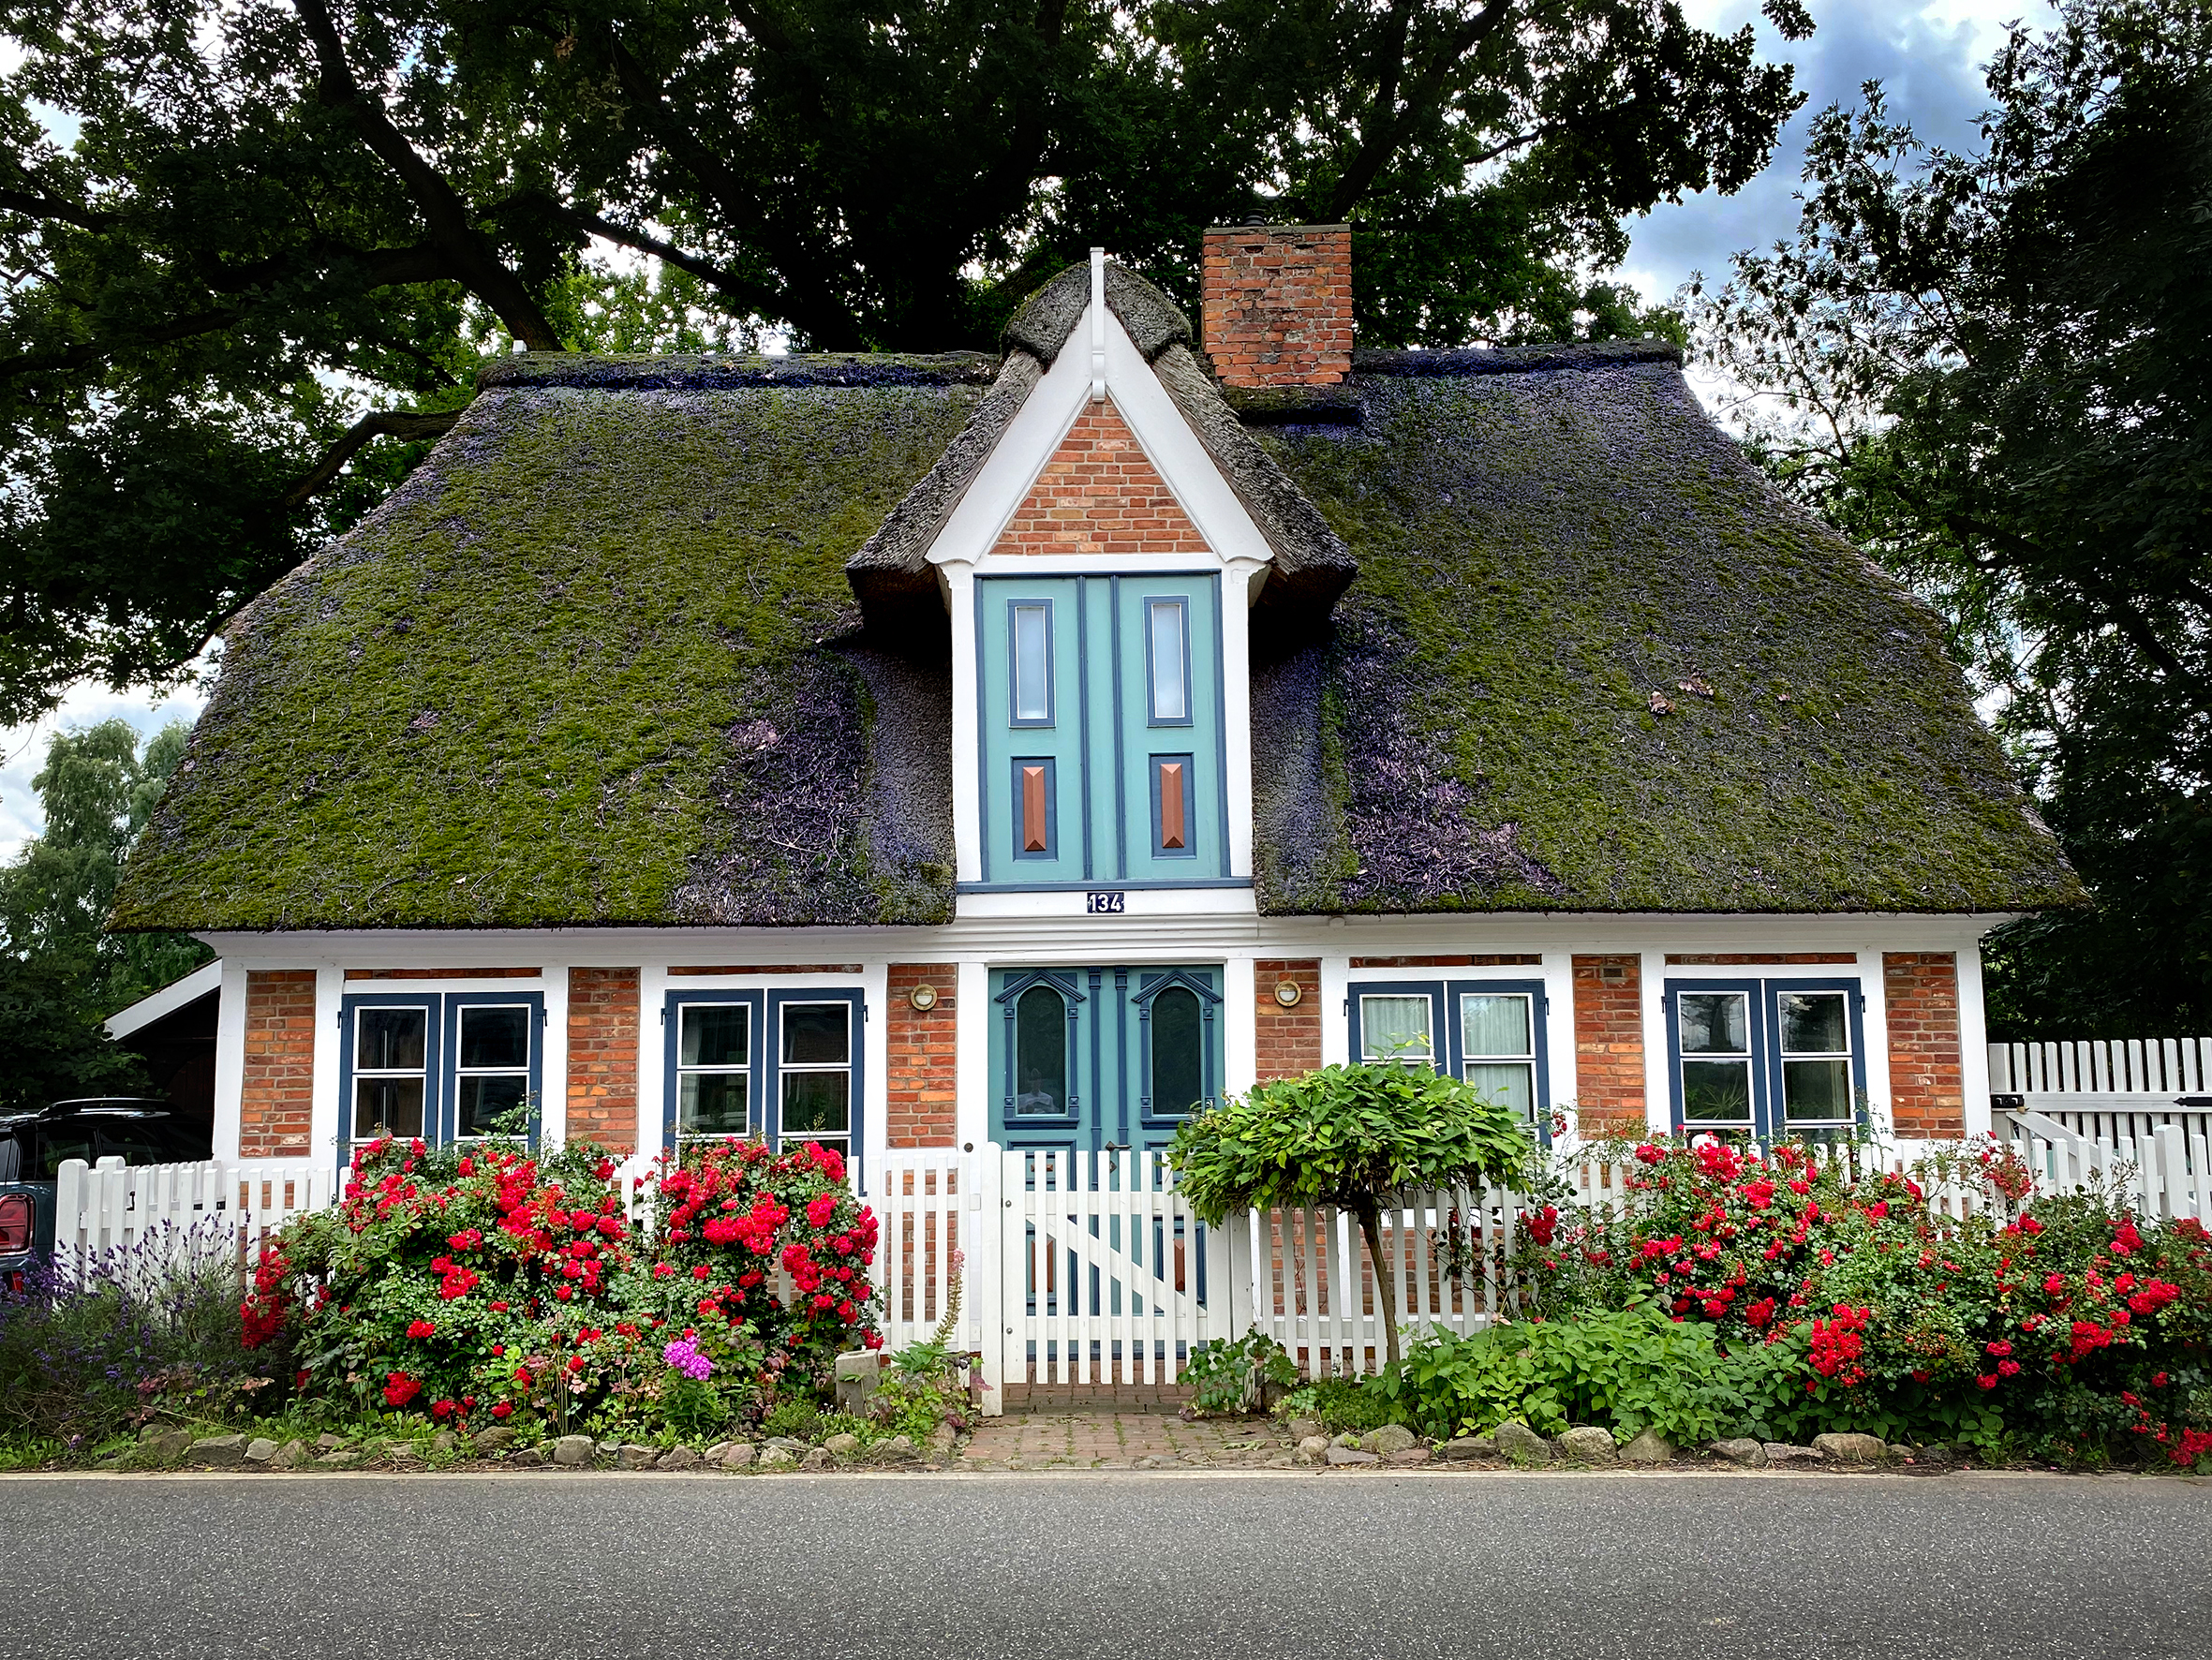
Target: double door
{"type": "Point", "coordinates": [1097, 1058]}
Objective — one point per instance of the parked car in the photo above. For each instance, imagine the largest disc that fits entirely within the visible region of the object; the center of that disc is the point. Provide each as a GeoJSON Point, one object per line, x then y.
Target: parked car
{"type": "Point", "coordinates": [34, 1145]}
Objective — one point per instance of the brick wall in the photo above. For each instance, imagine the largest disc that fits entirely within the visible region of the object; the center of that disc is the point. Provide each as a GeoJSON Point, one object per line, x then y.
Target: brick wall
{"type": "Point", "coordinates": [1609, 1046]}
{"type": "Point", "coordinates": [1289, 1039]}
{"type": "Point", "coordinates": [923, 1076]}
{"type": "Point", "coordinates": [276, 1099]}
{"type": "Point", "coordinates": [1278, 304]}
{"type": "Point", "coordinates": [603, 1022]}
{"type": "Point", "coordinates": [1927, 1081]}
{"type": "Point", "coordinates": [1100, 494]}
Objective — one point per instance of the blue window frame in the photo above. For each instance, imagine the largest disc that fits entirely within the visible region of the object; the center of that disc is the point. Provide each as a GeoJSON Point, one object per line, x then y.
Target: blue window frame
{"type": "Point", "coordinates": [438, 1065]}
{"type": "Point", "coordinates": [1491, 1034]}
{"type": "Point", "coordinates": [1029, 662]}
{"type": "Point", "coordinates": [1042, 1080]}
{"type": "Point", "coordinates": [1766, 1058]}
{"type": "Point", "coordinates": [1168, 659]}
{"type": "Point", "coordinates": [780, 1066]}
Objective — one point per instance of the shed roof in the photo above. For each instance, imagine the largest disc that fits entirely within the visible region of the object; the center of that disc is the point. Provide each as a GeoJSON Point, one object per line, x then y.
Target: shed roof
{"type": "Point", "coordinates": [600, 660]}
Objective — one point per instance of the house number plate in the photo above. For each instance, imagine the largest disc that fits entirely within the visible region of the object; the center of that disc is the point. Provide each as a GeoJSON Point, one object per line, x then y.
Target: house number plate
{"type": "Point", "coordinates": [1105, 904]}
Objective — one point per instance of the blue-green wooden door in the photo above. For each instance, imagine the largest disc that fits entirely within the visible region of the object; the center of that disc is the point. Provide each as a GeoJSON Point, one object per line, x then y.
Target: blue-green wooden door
{"type": "Point", "coordinates": [1092, 1057]}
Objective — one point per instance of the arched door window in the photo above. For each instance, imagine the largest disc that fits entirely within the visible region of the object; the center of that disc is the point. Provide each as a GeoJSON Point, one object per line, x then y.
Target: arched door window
{"type": "Point", "coordinates": [1040, 1054]}
{"type": "Point", "coordinates": [1179, 1052]}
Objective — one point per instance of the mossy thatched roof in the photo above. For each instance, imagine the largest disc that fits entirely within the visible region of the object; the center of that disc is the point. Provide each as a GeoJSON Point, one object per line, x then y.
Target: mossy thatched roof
{"type": "Point", "coordinates": [603, 660]}
{"type": "Point", "coordinates": [1592, 662]}
{"type": "Point", "coordinates": [596, 661]}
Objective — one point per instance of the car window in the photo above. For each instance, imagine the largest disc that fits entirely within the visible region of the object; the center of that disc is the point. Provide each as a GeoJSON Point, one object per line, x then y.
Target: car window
{"type": "Point", "coordinates": [10, 1159]}
{"type": "Point", "coordinates": [58, 1143]}
{"type": "Point", "coordinates": [149, 1143]}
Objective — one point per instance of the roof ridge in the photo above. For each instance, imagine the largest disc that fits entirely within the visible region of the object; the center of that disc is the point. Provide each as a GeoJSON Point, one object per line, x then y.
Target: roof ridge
{"type": "Point", "coordinates": [1049, 315]}
{"type": "Point", "coordinates": [716, 370]}
{"type": "Point", "coordinates": [1516, 360]}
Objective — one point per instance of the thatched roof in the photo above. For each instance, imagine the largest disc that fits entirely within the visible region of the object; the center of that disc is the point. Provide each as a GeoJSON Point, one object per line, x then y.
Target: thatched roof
{"type": "Point", "coordinates": [603, 660]}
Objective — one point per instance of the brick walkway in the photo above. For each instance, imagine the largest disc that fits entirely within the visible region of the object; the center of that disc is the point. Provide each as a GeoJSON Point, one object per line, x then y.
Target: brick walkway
{"type": "Point", "coordinates": [1120, 1438]}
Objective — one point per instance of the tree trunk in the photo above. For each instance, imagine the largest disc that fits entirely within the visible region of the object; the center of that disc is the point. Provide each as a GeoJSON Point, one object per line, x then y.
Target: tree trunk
{"type": "Point", "coordinates": [1386, 1278]}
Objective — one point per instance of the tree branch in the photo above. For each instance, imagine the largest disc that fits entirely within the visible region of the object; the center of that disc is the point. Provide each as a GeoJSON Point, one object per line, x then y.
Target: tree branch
{"type": "Point", "coordinates": [45, 207]}
{"type": "Point", "coordinates": [1382, 133]}
{"type": "Point", "coordinates": [442, 209]}
{"type": "Point", "coordinates": [384, 423]}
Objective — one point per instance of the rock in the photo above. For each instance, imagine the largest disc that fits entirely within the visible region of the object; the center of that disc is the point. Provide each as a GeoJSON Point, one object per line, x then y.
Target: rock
{"type": "Point", "coordinates": [608, 1449]}
{"type": "Point", "coordinates": [897, 1450]}
{"type": "Point", "coordinates": [1351, 1455]}
{"type": "Point", "coordinates": [1305, 1429]}
{"type": "Point", "coordinates": [1312, 1449]}
{"type": "Point", "coordinates": [796, 1448]}
{"type": "Point", "coordinates": [260, 1450]}
{"type": "Point", "coordinates": [714, 1453]}
{"type": "Point", "coordinates": [290, 1456]}
{"type": "Point", "coordinates": [168, 1447]}
{"type": "Point", "coordinates": [1348, 1440]}
{"type": "Point", "coordinates": [859, 1373]}
{"type": "Point", "coordinates": [1651, 1447]}
{"type": "Point", "coordinates": [1407, 1455]}
{"type": "Point", "coordinates": [678, 1457]}
{"type": "Point", "coordinates": [222, 1451]}
{"type": "Point", "coordinates": [817, 1459]}
{"type": "Point", "coordinates": [1740, 1449]}
{"type": "Point", "coordinates": [1390, 1438]}
{"type": "Point", "coordinates": [1462, 1448]}
{"type": "Point", "coordinates": [1852, 1449]}
{"type": "Point", "coordinates": [1588, 1444]}
{"type": "Point", "coordinates": [574, 1450]}
{"type": "Point", "coordinates": [493, 1439]}
{"type": "Point", "coordinates": [841, 1446]}
{"type": "Point", "coordinates": [1520, 1444]}
{"type": "Point", "coordinates": [404, 1452]}
{"type": "Point", "coordinates": [444, 1442]}
{"type": "Point", "coordinates": [344, 1458]}
{"type": "Point", "coordinates": [629, 1456]}
{"type": "Point", "coordinates": [942, 1439]}
{"type": "Point", "coordinates": [777, 1458]}
{"type": "Point", "coordinates": [739, 1455]}
{"type": "Point", "coordinates": [328, 1442]}
{"type": "Point", "coordinates": [1157, 1461]}
{"type": "Point", "coordinates": [1781, 1452]}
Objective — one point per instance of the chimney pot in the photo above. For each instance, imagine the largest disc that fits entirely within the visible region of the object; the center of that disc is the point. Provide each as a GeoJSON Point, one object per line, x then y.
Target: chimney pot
{"type": "Point", "coordinates": [1278, 304]}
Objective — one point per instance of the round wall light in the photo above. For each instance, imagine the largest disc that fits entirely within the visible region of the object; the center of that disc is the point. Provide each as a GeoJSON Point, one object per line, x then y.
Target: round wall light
{"type": "Point", "coordinates": [1287, 993]}
{"type": "Point", "coordinates": [923, 997]}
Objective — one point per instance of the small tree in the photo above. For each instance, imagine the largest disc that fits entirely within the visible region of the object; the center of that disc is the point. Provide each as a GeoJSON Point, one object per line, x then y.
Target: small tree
{"type": "Point", "coordinates": [1358, 1138]}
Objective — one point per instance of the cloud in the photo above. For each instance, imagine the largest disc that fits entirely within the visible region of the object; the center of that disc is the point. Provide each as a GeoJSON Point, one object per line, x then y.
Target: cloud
{"type": "Point", "coordinates": [24, 750]}
{"type": "Point", "coordinates": [1926, 52]}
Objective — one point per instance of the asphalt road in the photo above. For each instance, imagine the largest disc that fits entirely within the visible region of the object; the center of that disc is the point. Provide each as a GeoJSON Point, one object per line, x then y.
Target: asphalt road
{"type": "Point", "coordinates": [1210, 1567]}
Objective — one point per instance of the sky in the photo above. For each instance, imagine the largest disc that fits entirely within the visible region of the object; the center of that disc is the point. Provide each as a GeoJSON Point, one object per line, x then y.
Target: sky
{"type": "Point", "coordinates": [1926, 54]}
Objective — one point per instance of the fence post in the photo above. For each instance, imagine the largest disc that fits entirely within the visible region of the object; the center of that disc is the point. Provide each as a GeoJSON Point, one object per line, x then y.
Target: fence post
{"type": "Point", "coordinates": [982, 1238]}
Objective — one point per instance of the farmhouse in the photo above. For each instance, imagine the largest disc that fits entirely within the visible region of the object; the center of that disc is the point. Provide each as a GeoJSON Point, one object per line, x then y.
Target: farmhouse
{"type": "Point", "coordinates": [935, 751]}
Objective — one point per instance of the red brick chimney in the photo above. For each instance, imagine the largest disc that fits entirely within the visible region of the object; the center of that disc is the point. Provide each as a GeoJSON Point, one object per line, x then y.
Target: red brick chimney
{"type": "Point", "coordinates": [1278, 304]}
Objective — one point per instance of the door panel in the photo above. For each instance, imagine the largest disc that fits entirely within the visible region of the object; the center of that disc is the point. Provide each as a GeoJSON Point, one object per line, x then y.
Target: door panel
{"type": "Point", "coordinates": [1084, 1059]}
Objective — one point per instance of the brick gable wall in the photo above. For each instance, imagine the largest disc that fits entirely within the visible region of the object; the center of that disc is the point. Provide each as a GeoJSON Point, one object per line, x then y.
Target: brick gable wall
{"type": "Point", "coordinates": [1100, 494]}
{"type": "Point", "coordinates": [1609, 1046]}
{"type": "Point", "coordinates": [605, 1018]}
{"type": "Point", "coordinates": [1927, 1078]}
{"type": "Point", "coordinates": [1289, 1039]}
{"type": "Point", "coordinates": [923, 1073]}
{"type": "Point", "coordinates": [277, 1098]}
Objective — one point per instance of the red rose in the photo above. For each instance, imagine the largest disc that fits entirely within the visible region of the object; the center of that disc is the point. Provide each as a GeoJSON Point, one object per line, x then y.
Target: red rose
{"type": "Point", "coordinates": [420, 1329]}
{"type": "Point", "coordinates": [503, 1409]}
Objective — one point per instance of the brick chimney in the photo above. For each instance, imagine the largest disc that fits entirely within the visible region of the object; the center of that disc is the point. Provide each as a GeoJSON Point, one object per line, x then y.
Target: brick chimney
{"type": "Point", "coordinates": [1278, 304]}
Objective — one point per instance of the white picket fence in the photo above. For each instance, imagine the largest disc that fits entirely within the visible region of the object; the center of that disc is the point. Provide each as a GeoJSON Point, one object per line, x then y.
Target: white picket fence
{"type": "Point", "coordinates": [150, 1210]}
{"type": "Point", "coordinates": [2119, 1091]}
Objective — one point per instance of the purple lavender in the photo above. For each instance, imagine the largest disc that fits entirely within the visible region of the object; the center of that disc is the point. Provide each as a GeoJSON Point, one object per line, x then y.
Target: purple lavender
{"type": "Point", "coordinates": [685, 1356]}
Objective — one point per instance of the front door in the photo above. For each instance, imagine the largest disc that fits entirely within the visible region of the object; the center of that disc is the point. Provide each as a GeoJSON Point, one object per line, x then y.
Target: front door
{"type": "Point", "coordinates": [1093, 1058]}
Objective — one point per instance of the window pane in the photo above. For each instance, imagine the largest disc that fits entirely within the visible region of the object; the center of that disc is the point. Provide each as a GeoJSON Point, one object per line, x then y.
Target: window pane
{"type": "Point", "coordinates": [482, 1100]}
{"type": "Point", "coordinates": [1814, 1023]}
{"type": "Point", "coordinates": [1715, 1022]}
{"type": "Point", "coordinates": [1717, 1092]}
{"type": "Point", "coordinates": [1169, 701]}
{"type": "Point", "coordinates": [495, 1037]}
{"type": "Point", "coordinates": [393, 1105]}
{"type": "Point", "coordinates": [1395, 1029]}
{"type": "Point", "coordinates": [1817, 1090]}
{"type": "Point", "coordinates": [1178, 1059]}
{"type": "Point", "coordinates": [388, 1040]}
{"type": "Point", "coordinates": [1511, 1084]}
{"type": "Point", "coordinates": [715, 1034]}
{"type": "Point", "coordinates": [816, 1101]}
{"type": "Point", "coordinates": [1494, 1023]}
{"type": "Point", "coordinates": [1040, 1052]}
{"type": "Point", "coordinates": [816, 1034]}
{"type": "Point", "coordinates": [711, 1103]}
{"type": "Point", "coordinates": [1032, 661]}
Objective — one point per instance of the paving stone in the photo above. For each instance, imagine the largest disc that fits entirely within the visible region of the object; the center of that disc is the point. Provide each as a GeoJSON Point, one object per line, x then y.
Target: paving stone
{"type": "Point", "coordinates": [1852, 1449]}
{"type": "Point", "coordinates": [1303, 1429]}
{"type": "Point", "coordinates": [1740, 1449]}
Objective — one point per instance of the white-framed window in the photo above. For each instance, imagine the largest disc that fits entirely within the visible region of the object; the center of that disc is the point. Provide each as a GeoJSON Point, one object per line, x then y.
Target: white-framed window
{"type": "Point", "coordinates": [491, 1066]}
{"type": "Point", "coordinates": [1498, 1047]}
{"type": "Point", "coordinates": [713, 1068]}
{"type": "Point", "coordinates": [815, 1073]}
{"type": "Point", "coordinates": [1168, 659]}
{"type": "Point", "coordinates": [1714, 1034]}
{"type": "Point", "coordinates": [1766, 1058]}
{"type": "Point", "coordinates": [1813, 1030]}
{"type": "Point", "coordinates": [391, 1071]}
{"type": "Point", "coordinates": [1395, 1025]}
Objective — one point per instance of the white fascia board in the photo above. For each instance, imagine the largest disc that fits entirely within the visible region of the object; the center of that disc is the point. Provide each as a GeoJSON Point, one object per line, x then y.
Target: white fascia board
{"type": "Point", "coordinates": [168, 1000]}
{"type": "Point", "coordinates": [1006, 478]}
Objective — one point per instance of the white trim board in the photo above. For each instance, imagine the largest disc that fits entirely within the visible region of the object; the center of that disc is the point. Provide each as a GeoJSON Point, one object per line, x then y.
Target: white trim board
{"type": "Point", "coordinates": [155, 1005]}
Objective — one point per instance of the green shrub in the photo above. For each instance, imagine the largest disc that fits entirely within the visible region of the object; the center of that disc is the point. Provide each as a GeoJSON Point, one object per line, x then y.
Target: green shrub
{"type": "Point", "coordinates": [1345, 1405]}
{"type": "Point", "coordinates": [798, 1418]}
{"type": "Point", "coordinates": [1238, 1376]}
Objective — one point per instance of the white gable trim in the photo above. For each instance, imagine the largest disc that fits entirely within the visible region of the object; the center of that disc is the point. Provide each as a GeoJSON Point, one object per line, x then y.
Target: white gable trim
{"type": "Point", "coordinates": [1034, 435]}
{"type": "Point", "coordinates": [168, 1000]}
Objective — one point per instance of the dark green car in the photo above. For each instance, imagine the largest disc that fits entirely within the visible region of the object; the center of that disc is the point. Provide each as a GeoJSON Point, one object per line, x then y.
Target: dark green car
{"type": "Point", "coordinates": [34, 1146]}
